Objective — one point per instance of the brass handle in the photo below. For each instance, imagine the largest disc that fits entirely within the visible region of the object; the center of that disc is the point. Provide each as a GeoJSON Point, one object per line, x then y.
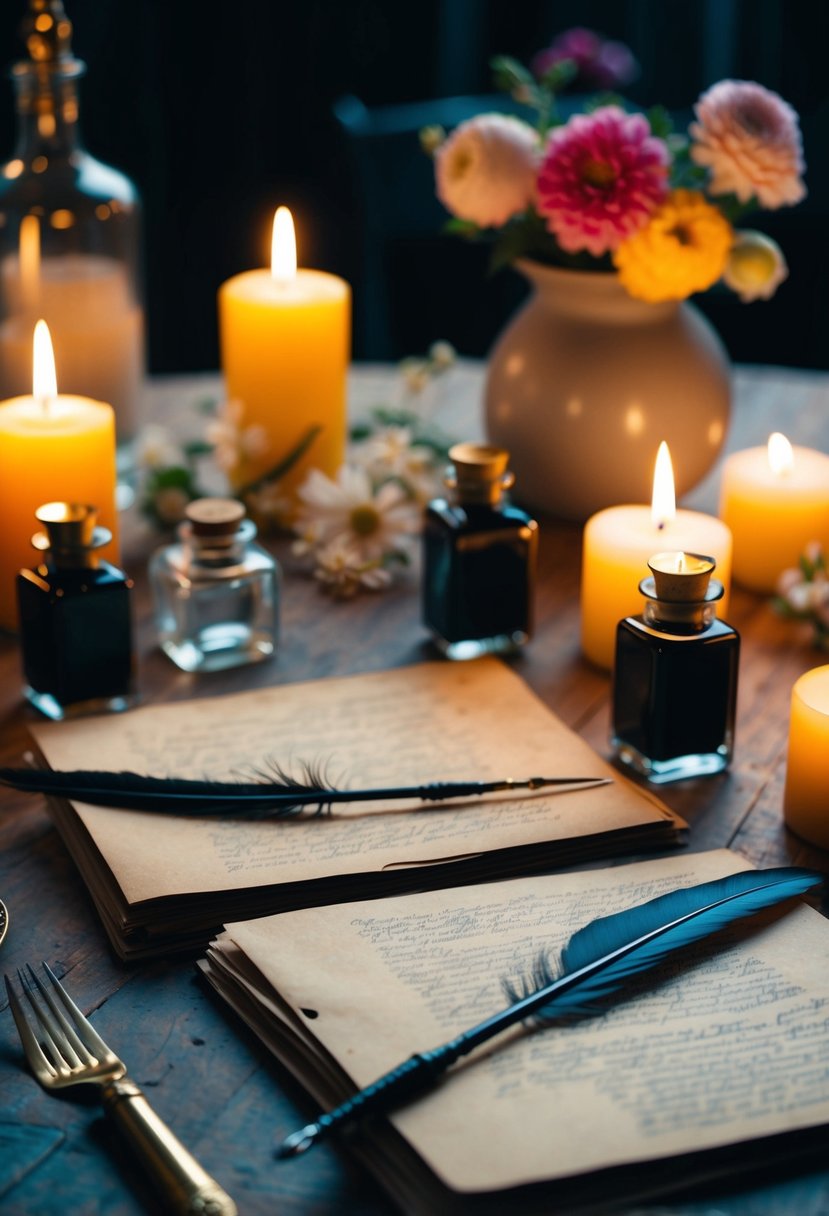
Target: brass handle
{"type": "Point", "coordinates": [189, 1189]}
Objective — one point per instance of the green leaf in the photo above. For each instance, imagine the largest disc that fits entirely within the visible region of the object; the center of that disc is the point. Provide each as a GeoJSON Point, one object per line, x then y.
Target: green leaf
{"type": "Point", "coordinates": [660, 122]}
{"type": "Point", "coordinates": [467, 229]}
{"type": "Point", "coordinates": [284, 466]}
{"type": "Point", "coordinates": [509, 74]}
{"type": "Point", "coordinates": [198, 447]}
{"type": "Point", "coordinates": [207, 405]}
{"type": "Point", "coordinates": [557, 78]}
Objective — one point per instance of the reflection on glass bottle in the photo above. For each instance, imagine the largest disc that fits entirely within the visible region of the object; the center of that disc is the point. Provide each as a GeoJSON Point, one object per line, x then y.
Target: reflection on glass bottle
{"type": "Point", "coordinates": [675, 679]}
{"type": "Point", "coordinates": [479, 559]}
{"type": "Point", "coordinates": [216, 592]}
{"type": "Point", "coordinates": [75, 627]}
{"type": "Point", "coordinates": [69, 234]}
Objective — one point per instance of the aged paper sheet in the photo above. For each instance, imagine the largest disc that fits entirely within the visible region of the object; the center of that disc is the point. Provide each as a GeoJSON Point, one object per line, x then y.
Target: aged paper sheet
{"type": "Point", "coordinates": [731, 1048]}
{"type": "Point", "coordinates": [436, 721]}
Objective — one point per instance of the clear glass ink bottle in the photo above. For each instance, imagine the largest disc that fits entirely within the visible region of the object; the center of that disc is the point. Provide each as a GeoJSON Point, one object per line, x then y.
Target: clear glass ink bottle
{"type": "Point", "coordinates": [75, 626]}
{"type": "Point", "coordinates": [675, 679]}
{"type": "Point", "coordinates": [216, 592]}
{"type": "Point", "coordinates": [479, 559]}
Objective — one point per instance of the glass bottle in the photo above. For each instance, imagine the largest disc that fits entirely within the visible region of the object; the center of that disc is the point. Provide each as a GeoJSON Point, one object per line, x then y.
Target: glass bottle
{"type": "Point", "coordinates": [69, 238]}
{"type": "Point", "coordinates": [216, 592]}
{"type": "Point", "coordinates": [75, 626]}
{"type": "Point", "coordinates": [675, 679]}
{"type": "Point", "coordinates": [479, 555]}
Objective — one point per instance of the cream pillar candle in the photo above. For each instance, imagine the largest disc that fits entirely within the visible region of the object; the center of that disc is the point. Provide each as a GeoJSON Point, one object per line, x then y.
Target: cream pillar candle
{"type": "Point", "coordinates": [52, 448]}
{"type": "Point", "coordinates": [617, 544]}
{"type": "Point", "coordinates": [806, 796]}
{"type": "Point", "coordinates": [775, 500]}
{"type": "Point", "coordinates": [285, 344]}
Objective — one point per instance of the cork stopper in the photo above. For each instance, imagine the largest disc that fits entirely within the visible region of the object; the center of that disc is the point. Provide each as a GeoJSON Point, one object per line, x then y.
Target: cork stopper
{"type": "Point", "coordinates": [71, 530]}
{"type": "Point", "coordinates": [479, 471]}
{"type": "Point", "coordinates": [215, 517]}
{"type": "Point", "coordinates": [681, 578]}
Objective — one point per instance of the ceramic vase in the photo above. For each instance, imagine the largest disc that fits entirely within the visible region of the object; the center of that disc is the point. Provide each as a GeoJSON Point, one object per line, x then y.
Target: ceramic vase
{"type": "Point", "coordinates": [584, 384]}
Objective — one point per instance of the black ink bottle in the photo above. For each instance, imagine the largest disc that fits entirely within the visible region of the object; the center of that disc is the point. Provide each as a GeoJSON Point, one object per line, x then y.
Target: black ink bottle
{"type": "Point", "coordinates": [675, 679]}
{"type": "Point", "coordinates": [75, 627]}
{"type": "Point", "coordinates": [479, 557]}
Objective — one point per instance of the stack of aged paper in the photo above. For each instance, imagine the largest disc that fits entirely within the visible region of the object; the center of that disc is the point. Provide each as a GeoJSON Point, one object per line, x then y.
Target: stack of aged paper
{"type": "Point", "coordinates": [164, 882]}
{"type": "Point", "coordinates": [709, 1067]}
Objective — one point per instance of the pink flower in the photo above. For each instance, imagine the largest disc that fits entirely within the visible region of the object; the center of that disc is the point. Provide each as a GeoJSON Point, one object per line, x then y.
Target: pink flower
{"type": "Point", "coordinates": [603, 175]}
{"type": "Point", "coordinates": [749, 139]}
{"type": "Point", "coordinates": [486, 169]}
{"type": "Point", "coordinates": [600, 63]}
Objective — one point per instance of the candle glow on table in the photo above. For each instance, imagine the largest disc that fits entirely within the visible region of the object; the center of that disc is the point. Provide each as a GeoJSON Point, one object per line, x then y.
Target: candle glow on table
{"type": "Point", "coordinates": [775, 500]}
{"type": "Point", "coordinates": [617, 545]}
{"type": "Point", "coordinates": [52, 447]}
{"type": "Point", "coordinates": [285, 346]}
{"type": "Point", "coordinates": [806, 797]}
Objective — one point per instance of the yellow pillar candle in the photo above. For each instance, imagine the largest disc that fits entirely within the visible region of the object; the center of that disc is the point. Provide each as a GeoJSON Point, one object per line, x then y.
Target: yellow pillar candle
{"type": "Point", "coordinates": [617, 545]}
{"type": "Point", "coordinates": [285, 344]}
{"type": "Point", "coordinates": [775, 500]}
{"type": "Point", "coordinates": [52, 448]}
{"type": "Point", "coordinates": [806, 797]}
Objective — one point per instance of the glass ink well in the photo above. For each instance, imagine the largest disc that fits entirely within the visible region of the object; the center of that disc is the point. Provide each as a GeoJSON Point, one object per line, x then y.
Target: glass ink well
{"type": "Point", "coordinates": [75, 628]}
{"type": "Point", "coordinates": [216, 592]}
{"type": "Point", "coordinates": [479, 558]}
{"type": "Point", "coordinates": [675, 679]}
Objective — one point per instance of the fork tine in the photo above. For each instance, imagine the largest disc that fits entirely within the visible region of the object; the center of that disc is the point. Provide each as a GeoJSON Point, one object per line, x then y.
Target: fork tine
{"type": "Point", "coordinates": [86, 1031]}
{"type": "Point", "coordinates": [51, 1037]}
{"type": "Point", "coordinates": [31, 1047]}
{"type": "Point", "coordinates": [66, 1030]}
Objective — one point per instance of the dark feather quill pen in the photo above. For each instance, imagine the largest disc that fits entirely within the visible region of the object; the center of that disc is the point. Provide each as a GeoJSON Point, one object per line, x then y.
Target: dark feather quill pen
{"type": "Point", "coordinates": [273, 795]}
{"type": "Point", "coordinates": [596, 963]}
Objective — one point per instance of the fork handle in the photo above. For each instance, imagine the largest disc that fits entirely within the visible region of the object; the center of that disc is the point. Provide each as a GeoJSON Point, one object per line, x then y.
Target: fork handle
{"type": "Point", "coordinates": [189, 1189]}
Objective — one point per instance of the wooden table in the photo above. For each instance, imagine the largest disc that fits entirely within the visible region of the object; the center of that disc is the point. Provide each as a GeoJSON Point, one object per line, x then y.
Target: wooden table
{"type": "Point", "coordinates": [205, 1073]}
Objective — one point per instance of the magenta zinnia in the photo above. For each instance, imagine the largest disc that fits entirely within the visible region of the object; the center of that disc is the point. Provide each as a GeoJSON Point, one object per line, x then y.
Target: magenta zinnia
{"type": "Point", "coordinates": [602, 176]}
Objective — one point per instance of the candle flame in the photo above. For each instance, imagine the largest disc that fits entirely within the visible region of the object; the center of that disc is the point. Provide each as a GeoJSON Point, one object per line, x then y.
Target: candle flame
{"type": "Point", "coordinates": [663, 502]}
{"type": "Point", "coordinates": [283, 247]}
{"type": "Point", "coordinates": [44, 379]}
{"type": "Point", "coordinates": [781, 456]}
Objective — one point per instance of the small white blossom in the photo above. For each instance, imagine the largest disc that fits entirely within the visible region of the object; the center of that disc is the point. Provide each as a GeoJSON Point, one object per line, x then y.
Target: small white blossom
{"type": "Point", "coordinates": [442, 355]}
{"type": "Point", "coordinates": [343, 572]}
{"type": "Point", "coordinates": [232, 442]}
{"type": "Point", "coordinates": [156, 449]}
{"type": "Point", "coordinates": [375, 523]}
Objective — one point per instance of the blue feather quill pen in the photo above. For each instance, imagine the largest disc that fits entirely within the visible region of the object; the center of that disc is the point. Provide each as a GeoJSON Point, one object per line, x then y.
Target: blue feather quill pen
{"type": "Point", "coordinates": [597, 963]}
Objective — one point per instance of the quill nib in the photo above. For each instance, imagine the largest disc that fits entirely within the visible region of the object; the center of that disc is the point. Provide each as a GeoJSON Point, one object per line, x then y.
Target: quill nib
{"type": "Point", "coordinates": [298, 1142]}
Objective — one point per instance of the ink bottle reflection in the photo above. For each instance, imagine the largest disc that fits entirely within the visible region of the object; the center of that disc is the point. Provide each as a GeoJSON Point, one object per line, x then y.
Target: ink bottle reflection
{"type": "Point", "coordinates": [216, 592]}
{"type": "Point", "coordinates": [675, 678]}
{"type": "Point", "coordinates": [479, 557]}
{"type": "Point", "coordinates": [75, 625]}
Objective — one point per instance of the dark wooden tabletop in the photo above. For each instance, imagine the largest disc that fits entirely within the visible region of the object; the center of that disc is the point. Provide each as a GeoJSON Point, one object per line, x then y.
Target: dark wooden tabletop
{"type": "Point", "coordinates": [204, 1072]}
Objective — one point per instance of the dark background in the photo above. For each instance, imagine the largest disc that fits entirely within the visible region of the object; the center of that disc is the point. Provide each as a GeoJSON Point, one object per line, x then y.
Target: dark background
{"type": "Point", "coordinates": [221, 110]}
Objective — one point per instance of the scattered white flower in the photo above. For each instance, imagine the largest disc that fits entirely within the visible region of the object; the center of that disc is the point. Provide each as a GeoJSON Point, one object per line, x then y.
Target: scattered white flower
{"type": "Point", "coordinates": [269, 503]}
{"type": "Point", "coordinates": [442, 355]}
{"type": "Point", "coordinates": [390, 452]}
{"type": "Point", "coordinates": [415, 376]}
{"type": "Point", "coordinates": [376, 523]}
{"type": "Point", "coordinates": [156, 449]}
{"type": "Point", "coordinates": [343, 572]}
{"type": "Point", "coordinates": [232, 442]}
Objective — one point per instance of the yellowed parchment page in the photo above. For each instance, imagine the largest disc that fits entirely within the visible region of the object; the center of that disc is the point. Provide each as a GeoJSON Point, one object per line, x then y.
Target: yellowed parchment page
{"type": "Point", "coordinates": [432, 722]}
{"type": "Point", "coordinates": [723, 1051]}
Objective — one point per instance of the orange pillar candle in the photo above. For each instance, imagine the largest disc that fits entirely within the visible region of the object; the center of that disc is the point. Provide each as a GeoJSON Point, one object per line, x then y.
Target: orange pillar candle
{"type": "Point", "coordinates": [52, 447]}
{"type": "Point", "coordinates": [775, 500]}
{"type": "Point", "coordinates": [806, 797]}
{"type": "Point", "coordinates": [285, 343]}
{"type": "Point", "coordinates": [617, 545]}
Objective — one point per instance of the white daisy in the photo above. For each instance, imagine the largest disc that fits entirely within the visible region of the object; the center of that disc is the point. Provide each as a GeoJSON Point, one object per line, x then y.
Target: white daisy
{"type": "Point", "coordinates": [156, 449]}
{"type": "Point", "coordinates": [232, 442]}
{"type": "Point", "coordinates": [376, 524]}
{"type": "Point", "coordinates": [390, 452]}
{"type": "Point", "coordinates": [343, 573]}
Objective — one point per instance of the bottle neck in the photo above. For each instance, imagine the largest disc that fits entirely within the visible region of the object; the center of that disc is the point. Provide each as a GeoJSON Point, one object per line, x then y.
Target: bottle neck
{"type": "Point", "coordinates": [47, 111]}
{"type": "Point", "coordinates": [679, 618]}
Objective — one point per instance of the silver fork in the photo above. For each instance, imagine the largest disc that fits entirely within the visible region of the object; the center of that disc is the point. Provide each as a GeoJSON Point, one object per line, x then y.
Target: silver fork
{"type": "Point", "coordinates": [64, 1049]}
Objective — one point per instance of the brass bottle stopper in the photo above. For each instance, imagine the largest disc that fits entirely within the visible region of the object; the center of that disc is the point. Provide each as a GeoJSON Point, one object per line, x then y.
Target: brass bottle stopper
{"type": "Point", "coordinates": [478, 472]}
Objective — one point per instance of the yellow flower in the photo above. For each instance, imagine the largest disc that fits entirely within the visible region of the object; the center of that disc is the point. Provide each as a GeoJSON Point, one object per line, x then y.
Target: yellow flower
{"type": "Point", "coordinates": [756, 266]}
{"type": "Point", "coordinates": [682, 249]}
